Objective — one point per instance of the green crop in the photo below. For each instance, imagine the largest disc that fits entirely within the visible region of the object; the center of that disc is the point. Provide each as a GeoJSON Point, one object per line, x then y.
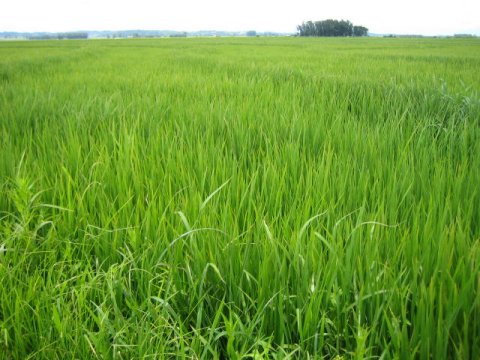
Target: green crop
{"type": "Point", "coordinates": [263, 198]}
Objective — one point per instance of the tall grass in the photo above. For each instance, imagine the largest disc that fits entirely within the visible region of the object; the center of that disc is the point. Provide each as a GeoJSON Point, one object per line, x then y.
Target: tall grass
{"type": "Point", "coordinates": [240, 198]}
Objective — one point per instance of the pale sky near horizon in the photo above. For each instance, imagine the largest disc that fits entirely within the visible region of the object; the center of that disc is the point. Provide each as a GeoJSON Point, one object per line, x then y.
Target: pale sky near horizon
{"type": "Point", "coordinates": [427, 17]}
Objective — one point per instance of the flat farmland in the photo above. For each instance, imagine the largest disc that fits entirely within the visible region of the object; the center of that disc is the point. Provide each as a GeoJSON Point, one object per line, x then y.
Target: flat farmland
{"type": "Point", "coordinates": [240, 198]}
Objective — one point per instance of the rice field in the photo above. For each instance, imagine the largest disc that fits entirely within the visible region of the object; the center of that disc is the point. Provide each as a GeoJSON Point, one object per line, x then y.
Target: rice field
{"type": "Point", "coordinates": [240, 198]}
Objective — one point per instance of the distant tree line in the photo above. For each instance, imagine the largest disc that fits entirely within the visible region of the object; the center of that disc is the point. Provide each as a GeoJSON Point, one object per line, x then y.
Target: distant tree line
{"type": "Point", "coordinates": [73, 35]}
{"type": "Point", "coordinates": [59, 36]}
{"type": "Point", "coordinates": [178, 35]}
{"type": "Point", "coordinates": [331, 28]}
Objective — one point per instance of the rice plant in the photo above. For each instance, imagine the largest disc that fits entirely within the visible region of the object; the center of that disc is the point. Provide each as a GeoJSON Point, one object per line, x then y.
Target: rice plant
{"type": "Point", "coordinates": [260, 198]}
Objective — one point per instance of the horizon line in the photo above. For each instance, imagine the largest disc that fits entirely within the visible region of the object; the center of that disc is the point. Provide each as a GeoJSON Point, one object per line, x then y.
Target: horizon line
{"type": "Point", "coordinates": [226, 31]}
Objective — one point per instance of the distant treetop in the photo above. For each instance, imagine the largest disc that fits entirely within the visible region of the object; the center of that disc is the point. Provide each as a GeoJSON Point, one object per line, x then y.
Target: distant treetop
{"type": "Point", "coordinates": [331, 28]}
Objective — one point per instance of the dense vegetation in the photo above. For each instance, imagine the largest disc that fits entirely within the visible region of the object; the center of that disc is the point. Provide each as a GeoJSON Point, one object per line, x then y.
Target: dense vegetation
{"type": "Point", "coordinates": [240, 198]}
{"type": "Point", "coordinates": [330, 28]}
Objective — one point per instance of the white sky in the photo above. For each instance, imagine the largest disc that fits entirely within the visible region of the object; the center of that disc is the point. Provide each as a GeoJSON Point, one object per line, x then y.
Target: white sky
{"type": "Point", "coordinates": [428, 17]}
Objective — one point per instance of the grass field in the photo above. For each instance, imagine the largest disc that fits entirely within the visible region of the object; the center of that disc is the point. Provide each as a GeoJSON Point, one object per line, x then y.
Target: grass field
{"type": "Point", "coordinates": [240, 198]}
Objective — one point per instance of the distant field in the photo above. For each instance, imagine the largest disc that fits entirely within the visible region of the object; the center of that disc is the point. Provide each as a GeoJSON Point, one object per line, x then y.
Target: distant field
{"type": "Point", "coordinates": [232, 198]}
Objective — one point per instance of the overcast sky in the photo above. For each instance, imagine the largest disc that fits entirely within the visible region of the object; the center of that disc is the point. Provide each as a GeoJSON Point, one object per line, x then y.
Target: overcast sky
{"type": "Point", "coordinates": [428, 17]}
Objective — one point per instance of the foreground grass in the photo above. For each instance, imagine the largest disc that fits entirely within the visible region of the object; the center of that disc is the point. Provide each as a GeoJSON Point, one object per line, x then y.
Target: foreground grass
{"type": "Point", "coordinates": [240, 198]}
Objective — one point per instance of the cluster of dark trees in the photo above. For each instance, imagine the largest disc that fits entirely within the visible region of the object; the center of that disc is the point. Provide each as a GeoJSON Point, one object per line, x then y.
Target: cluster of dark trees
{"type": "Point", "coordinates": [331, 28]}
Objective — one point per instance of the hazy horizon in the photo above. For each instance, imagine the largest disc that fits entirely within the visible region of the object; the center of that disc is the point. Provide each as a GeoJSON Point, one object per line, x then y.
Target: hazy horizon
{"type": "Point", "coordinates": [410, 17]}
